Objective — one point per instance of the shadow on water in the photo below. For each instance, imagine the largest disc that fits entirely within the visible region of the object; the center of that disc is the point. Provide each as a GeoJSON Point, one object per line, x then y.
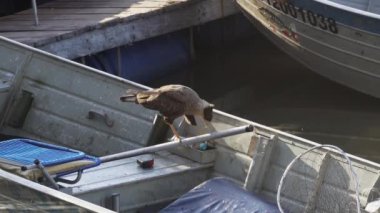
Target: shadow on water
{"type": "Point", "coordinates": [253, 79]}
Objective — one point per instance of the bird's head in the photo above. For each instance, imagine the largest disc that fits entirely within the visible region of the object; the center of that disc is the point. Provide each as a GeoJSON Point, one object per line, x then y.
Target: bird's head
{"type": "Point", "coordinates": [207, 112]}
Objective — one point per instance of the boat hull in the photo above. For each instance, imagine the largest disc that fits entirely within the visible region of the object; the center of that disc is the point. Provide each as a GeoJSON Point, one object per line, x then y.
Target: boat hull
{"type": "Point", "coordinates": [344, 54]}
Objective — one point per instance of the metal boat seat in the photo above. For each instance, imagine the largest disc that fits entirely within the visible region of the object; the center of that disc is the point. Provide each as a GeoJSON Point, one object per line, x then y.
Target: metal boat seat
{"type": "Point", "coordinates": [43, 162]}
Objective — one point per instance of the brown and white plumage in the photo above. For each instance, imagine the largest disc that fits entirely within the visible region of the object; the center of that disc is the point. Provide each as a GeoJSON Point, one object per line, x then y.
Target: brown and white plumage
{"type": "Point", "coordinates": [172, 101]}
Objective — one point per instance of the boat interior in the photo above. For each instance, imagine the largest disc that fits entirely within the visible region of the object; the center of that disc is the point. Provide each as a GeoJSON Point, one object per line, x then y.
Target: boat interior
{"type": "Point", "coordinates": [60, 102]}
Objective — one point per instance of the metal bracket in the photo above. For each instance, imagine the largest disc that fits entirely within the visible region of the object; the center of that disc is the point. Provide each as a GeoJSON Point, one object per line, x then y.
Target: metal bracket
{"type": "Point", "coordinates": [76, 180]}
{"type": "Point", "coordinates": [46, 174]}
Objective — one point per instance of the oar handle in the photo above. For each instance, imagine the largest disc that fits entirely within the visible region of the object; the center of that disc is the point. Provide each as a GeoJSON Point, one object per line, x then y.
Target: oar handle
{"type": "Point", "coordinates": [172, 144]}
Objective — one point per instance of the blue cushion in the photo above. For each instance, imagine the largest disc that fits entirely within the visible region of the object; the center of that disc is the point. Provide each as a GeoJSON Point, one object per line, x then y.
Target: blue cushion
{"type": "Point", "coordinates": [24, 152]}
{"type": "Point", "coordinates": [220, 195]}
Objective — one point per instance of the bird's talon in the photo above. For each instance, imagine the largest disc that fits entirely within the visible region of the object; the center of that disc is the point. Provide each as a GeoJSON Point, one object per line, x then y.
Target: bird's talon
{"type": "Point", "coordinates": [179, 139]}
{"type": "Point", "coordinates": [176, 138]}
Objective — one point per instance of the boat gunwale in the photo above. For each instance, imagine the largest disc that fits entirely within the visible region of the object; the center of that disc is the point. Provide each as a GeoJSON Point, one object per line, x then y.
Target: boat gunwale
{"type": "Point", "coordinates": [349, 9]}
{"type": "Point", "coordinates": [61, 196]}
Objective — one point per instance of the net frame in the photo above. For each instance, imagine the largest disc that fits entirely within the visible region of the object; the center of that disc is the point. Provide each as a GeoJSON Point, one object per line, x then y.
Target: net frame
{"type": "Point", "coordinates": [329, 148]}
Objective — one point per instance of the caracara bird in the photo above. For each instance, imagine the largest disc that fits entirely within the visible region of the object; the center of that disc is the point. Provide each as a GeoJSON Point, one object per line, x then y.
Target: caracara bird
{"type": "Point", "coordinates": [172, 101]}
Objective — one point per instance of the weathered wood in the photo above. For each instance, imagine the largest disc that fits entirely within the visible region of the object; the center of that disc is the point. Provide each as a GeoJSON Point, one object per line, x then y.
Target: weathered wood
{"type": "Point", "coordinates": [92, 25]}
{"type": "Point", "coordinates": [102, 4]}
{"type": "Point", "coordinates": [56, 25]}
{"type": "Point", "coordinates": [65, 16]}
{"type": "Point", "coordinates": [44, 11]}
{"type": "Point", "coordinates": [34, 36]}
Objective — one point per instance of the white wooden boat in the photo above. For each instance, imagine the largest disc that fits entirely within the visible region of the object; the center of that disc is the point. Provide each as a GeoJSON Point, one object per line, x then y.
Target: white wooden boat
{"type": "Point", "coordinates": [50, 99]}
{"type": "Point", "coordinates": [335, 38]}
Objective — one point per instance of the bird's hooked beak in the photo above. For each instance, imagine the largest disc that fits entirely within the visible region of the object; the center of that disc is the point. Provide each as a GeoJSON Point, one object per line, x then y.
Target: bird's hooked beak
{"type": "Point", "coordinates": [129, 96]}
{"type": "Point", "coordinates": [207, 112]}
{"type": "Point", "coordinates": [123, 98]}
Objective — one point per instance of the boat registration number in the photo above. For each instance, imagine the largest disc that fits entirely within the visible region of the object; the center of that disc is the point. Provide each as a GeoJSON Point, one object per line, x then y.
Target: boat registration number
{"type": "Point", "coordinates": [306, 16]}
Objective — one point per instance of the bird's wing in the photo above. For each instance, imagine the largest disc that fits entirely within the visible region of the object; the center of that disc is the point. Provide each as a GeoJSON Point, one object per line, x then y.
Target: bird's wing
{"type": "Point", "coordinates": [175, 93]}
{"type": "Point", "coordinates": [162, 101]}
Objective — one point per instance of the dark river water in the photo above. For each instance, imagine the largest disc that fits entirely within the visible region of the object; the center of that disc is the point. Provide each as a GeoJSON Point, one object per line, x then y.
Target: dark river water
{"type": "Point", "coordinates": [253, 79]}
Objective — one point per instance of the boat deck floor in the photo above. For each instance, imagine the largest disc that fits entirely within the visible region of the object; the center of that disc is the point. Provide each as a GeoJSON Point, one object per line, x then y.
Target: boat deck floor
{"type": "Point", "coordinates": [128, 171]}
{"type": "Point", "coordinates": [66, 18]}
{"type": "Point", "coordinates": [76, 28]}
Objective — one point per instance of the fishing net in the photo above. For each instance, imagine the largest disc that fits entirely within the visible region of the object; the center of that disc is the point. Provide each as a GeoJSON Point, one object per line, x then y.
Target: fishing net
{"type": "Point", "coordinates": [321, 179]}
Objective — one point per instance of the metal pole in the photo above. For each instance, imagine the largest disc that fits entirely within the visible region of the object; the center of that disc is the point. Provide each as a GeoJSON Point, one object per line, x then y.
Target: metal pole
{"type": "Point", "coordinates": [186, 141]}
{"type": "Point", "coordinates": [46, 174]}
{"type": "Point", "coordinates": [34, 5]}
{"type": "Point", "coordinates": [168, 145]}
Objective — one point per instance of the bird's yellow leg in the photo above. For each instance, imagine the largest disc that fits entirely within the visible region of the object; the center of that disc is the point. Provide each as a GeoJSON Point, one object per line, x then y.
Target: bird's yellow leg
{"type": "Point", "coordinates": [176, 134]}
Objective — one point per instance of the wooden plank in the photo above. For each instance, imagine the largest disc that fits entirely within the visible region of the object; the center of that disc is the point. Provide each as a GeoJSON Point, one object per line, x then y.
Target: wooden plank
{"type": "Point", "coordinates": [72, 22]}
{"type": "Point", "coordinates": [32, 34]}
{"type": "Point", "coordinates": [63, 14]}
{"type": "Point", "coordinates": [48, 17]}
{"type": "Point", "coordinates": [137, 21]}
{"type": "Point", "coordinates": [139, 4]}
{"type": "Point", "coordinates": [172, 18]}
{"type": "Point", "coordinates": [66, 25]}
{"type": "Point", "coordinates": [61, 25]}
{"type": "Point", "coordinates": [29, 37]}
{"type": "Point", "coordinates": [103, 4]}
{"type": "Point", "coordinates": [44, 11]}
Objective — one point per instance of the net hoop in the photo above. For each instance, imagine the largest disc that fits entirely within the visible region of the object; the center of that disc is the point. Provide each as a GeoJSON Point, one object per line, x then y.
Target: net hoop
{"type": "Point", "coordinates": [309, 150]}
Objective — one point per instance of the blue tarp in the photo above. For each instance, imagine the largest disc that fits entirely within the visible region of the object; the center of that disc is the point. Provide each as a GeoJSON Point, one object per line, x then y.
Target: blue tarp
{"type": "Point", "coordinates": [220, 195]}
